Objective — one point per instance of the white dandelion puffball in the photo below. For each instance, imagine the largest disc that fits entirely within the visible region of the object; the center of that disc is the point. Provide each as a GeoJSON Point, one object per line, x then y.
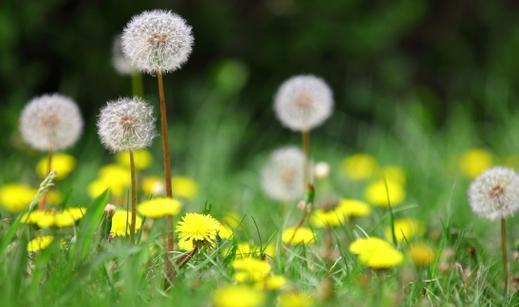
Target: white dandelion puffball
{"type": "Point", "coordinates": [51, 122]}
{"type": "Point", "coordinates": [495, 193]}
{"type": "Point", "coordinates": [282, 177]}
{"type": "Point", "coordinates": [120, 61]}
{"type": "Point", "coordinates": [126, 124]}
{"type": "Point", "coordinates": [303, 102]}
{"type": "Point", "coordinates": [157, 41]}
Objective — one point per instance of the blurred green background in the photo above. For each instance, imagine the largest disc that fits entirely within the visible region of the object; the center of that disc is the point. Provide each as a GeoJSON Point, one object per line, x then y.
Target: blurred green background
{"type": "Point", "coordinates": [429, 57]}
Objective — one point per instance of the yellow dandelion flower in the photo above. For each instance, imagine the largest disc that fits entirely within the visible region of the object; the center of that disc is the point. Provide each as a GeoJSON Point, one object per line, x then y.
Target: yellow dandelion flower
{"type": "Point", "coordinates": [52, 218]}
{"type": "Point", "coordinates": [327, 218]}
{"type": "Point", "coordinates": [224, 232]}
{"type": "Point", "coordinates": [405, 229]}
{"type": "Point", "coordinates": [295, 299]}
{"type": "Point", "coordinates": [273, 282]}
{"type": "Point", "coordinates": [368, 245]}
{"type": "Point", "coordinates": [376, 193]}
{"type": "Point", "coordinates": [186, 245]}
{"type": "Point", "coordinates": [359, 166]}
{"type": "Point", "coordinates": [116, 173]}
{"type": "Point", "coordinates": [244, 249]}
{"type": "Point", "coordinates": [184, 187]}
{"type": "Point", "coordinates": [353, 207]}
{"type": "Point", "coordinates": [153, 186]}
{"type": "Point", "coordinates": [422, 254]}
{"type": "Point", "coordinates": [121, 221]}
{"type": "Point", "coordinates": [68, 217]}
{"type": "Point", "coordinates": [303, 235]}
{"type": "Point", "coordinates": [62, 164]}
{"type": "Point", "coordinates": [142, 159]}
{"type": "Point", "coordinates": [238, 296]}
{"type": "Point", "coordinates": [198, 227]}
{"type": "Point", "coordinates": [232, 219]}
{"type": "Point", "coordinates": [382, 258]}
{"type": "Point", "coordinates": [393, 173]}
{"type": "Point", "coordinates": [97, 187]}
{"type": "Point", "coordinates": [250, 269]}
{"type": "Point", "coordinates": [16, 197]}
{"type": "Point", "coordinates": [474, 161]}
{"type": "Point", "coordinates": [39, 243]}
{"type": "Point", "coordinates": [159, 207]}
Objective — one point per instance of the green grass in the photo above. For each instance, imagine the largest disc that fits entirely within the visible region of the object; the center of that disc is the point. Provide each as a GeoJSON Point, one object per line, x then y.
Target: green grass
{"type": "Point", "coordinates": [210, 148]}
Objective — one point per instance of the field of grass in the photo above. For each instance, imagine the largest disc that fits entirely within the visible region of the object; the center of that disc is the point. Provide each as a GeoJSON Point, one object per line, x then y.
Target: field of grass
{"type": "Point", "coordinates": [81, 269]}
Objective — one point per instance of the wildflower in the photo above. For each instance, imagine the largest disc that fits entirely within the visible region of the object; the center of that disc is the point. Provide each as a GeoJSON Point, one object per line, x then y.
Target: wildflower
{"type": "Point", "coordinates": [114, 172]}
{"type": "Point", "coordinates": [474, 161]}
{"type": "Point", "coordinates": [495, 193]}
{"type": "Point", "coordinates": [62, 164]}
{"type": "Point", "coordinates": [159, 207]}
{"type": "Point", "coordinates": [39, 243]}
{"type": "Point", "coordinates": [422, 254]}
{"type": "Point", "coordinates": [303, 102]}
{"type": "Point", "coordinates": [393, 173]}
{"type": "Point", "coordinates": [184, 187]}
{"type": "Point", "coordinates": [186, 245]}
{"type": "Point", "coordinates": [237, 296]}
{"type": "Point", "coordinates": [303, 235]}
{"type": "Point", "coordinates": [97, 187]}
{"type": "Point", "coordinates": [359, 166]}
{"type": "Point", "coordinates": [353, 207]}
{"type": "Point", "coordinates": [322, 218]}
{"type": "Point", "coordinates": [121, 223]}
{"type": "Point", "coordinates": [51, 122]}
{"type": "Point", "coordinates": [282, 177]}
{"type": "Point", "coordinates": [322, 170]}
{"type": "Point", "coordinates": [200, 228]}
{"type": "Point", "coordinates": [15, 197]}
{"type": "Point", "coordinates": [224, 232]}
{"type": "Point", "coordinates": [126, 124]}
{"type": "Point", "coordinates": [120, 61]}
{"type": "Point", "coordinates": [378, 193]}
{"type": "Point", "coordinates": [142, 159]}
{"type": "Point", "coordinates": [273, 282]}
{"type": "Point", "coordinates": [250, 269]}
{"type": "Point", "coordinates": [53, 218]}
{"type": "Point", "coordinates": [295, 299]}
{"type": "Point", "coordinates": [270, 250]}
{"type": "Point", "coordinates": [157, 41]}
{"type": "Point", "coordinates": [376, 253]}
{"type": "Point", "coordinates": [405, 229]}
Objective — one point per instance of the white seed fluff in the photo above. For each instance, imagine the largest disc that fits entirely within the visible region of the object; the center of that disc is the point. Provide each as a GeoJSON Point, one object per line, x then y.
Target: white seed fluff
{"type": "Point", "coordinates": [126, 124]}
{"type": "Point", "coordinates": [51, 122]}
{"type": "Point", "coordinates": [282, 177]}
{"type": "Point", "coordinates": [157, 41]}
{"type": "Point", "coordinates": [303, 102]}
{"type": "Point", "coordinates": [495, 193]}
{"type": "Point", "coordinates": [120, 61]}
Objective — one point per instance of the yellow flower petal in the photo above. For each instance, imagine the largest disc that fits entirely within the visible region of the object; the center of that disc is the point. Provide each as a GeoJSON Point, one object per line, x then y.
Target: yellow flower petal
{"type": "Point", "coordinates": [62, 164]}
{"type": "Point", "coordinates": [39, 243]}
{"type": "Point", "coordinates": [377, 193]}
{"type": "Point", "coordinates": [142, 159]}
{"type": "Point", "coordinates": [474, 161]}
{"type": "Point", "coordinates": [353, 207]}
{"type": "Point", "coordinates": [303, 235]}
{"type": "Point", "coordinates": [121, 223]}
{"type": "Point", "coordinates": [359, 166]}
{"type": "Point", "coordinates": [16, 197]}
{"type": "Point", "coordinates": [159, 207]}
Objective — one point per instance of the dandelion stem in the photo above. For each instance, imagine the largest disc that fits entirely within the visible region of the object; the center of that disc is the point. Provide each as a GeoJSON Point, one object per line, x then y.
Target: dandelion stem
{"type": "Point", "coordinates": [306, 151]}
{"type": "Point", "coordinates": [137, 90]}
{"type": "Point", "coordinates": [43, 200]}
{"type": "Point", "coordinates": [167, 175]}
{"type": "Point", "coordinates": [504, 252]}
{"type": "Point", "coordinates": [133, 197]}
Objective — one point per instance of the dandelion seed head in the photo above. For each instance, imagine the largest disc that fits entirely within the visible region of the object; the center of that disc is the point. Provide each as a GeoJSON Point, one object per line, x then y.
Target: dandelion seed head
{"type": "Point", "coordinates": [126, 124]}
{"type": "Point", "coordinates": [495, 193]}
{"type": "Point", "coordinates": [157, 40]}
{"type": "Point", "coordinates": [120, 61]}
{"type": "Point", "coordinates": [303, 102]}
{"type": "Point", "coordinates": [282, 177]}
{"type": "Point", "coordinates": [51, 122]}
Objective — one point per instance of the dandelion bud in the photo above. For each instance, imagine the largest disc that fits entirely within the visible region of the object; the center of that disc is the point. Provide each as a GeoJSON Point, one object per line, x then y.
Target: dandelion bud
{"type": "Point", "coordinates": [157, 41]}
{"type": "Point", "coordinates": [495, 193]}
{"type": "Point", "coordinates": [109, 210]}
{"type": "Point", "coordinates": [126, 124]}
{"type": "Point", "coordinates": [120, 61]}
{"type": "Point", "coordinates": [303, 102]}
{"type": "Point", "coordinates": [51, 122]}
{"type": "Point", "coordinates": [282, 177]}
